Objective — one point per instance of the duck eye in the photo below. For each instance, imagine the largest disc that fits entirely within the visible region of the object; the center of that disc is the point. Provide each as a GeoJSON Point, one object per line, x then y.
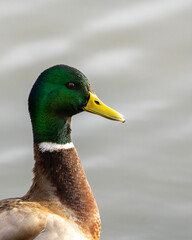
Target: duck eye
{"type": "Point", "coordinates": [71, 85]}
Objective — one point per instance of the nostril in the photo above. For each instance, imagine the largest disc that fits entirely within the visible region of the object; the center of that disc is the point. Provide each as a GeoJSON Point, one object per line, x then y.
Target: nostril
{"type": "Point", "coordinates": [97, 102]}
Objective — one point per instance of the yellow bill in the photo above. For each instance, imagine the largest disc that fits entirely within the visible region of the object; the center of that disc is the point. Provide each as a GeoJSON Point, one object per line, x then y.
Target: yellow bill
{"type": "Point", "coordinates": [96, 106]}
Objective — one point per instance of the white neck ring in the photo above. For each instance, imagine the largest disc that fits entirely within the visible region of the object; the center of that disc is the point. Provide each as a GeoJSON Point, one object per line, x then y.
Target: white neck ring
{"type": "Point", "coordinates": [51, 147]}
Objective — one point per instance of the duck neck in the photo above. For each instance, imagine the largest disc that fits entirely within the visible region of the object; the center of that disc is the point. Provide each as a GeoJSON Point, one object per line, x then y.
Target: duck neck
{"type": "Point", "coordinates": [60, 181]}
{"type": "Point", "coordinates": [53, 129]}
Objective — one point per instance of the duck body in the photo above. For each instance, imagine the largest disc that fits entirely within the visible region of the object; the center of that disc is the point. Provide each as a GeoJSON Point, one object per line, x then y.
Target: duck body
{"type": "Point", "coordinates": [60, 204]}
{"type": "Point", "coordinates": [29, 220]}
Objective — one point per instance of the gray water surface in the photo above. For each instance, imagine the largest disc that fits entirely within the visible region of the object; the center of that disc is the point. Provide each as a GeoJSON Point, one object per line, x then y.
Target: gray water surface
{"type": "Point", "coordinates": [138, 58]}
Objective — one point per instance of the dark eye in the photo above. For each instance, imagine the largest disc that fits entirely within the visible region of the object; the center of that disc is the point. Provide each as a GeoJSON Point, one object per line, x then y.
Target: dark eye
{"type": "Point", "coordinates": [71, 85]}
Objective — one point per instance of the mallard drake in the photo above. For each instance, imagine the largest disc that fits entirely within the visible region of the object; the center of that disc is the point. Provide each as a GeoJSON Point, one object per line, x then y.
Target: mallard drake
{"type": "Point", "coordinates": [60, 204]}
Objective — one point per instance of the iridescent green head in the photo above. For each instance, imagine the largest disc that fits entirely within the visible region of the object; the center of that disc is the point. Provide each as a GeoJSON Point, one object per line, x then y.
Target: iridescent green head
{"type": "Point", "coordinates": [59, 93]}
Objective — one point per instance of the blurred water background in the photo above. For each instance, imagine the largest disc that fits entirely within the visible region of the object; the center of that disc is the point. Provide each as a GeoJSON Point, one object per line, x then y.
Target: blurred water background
{"type": "Point", "coordinates": [138, 58]}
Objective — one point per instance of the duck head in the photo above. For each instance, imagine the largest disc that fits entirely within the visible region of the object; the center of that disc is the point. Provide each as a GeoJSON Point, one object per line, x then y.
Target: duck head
{"type": "Point", "coordinates": [59, 93]}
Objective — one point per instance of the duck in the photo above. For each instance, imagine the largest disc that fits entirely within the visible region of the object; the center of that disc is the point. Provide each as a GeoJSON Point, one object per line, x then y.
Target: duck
{"type": "Point", "coordinates": [59, 204]}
